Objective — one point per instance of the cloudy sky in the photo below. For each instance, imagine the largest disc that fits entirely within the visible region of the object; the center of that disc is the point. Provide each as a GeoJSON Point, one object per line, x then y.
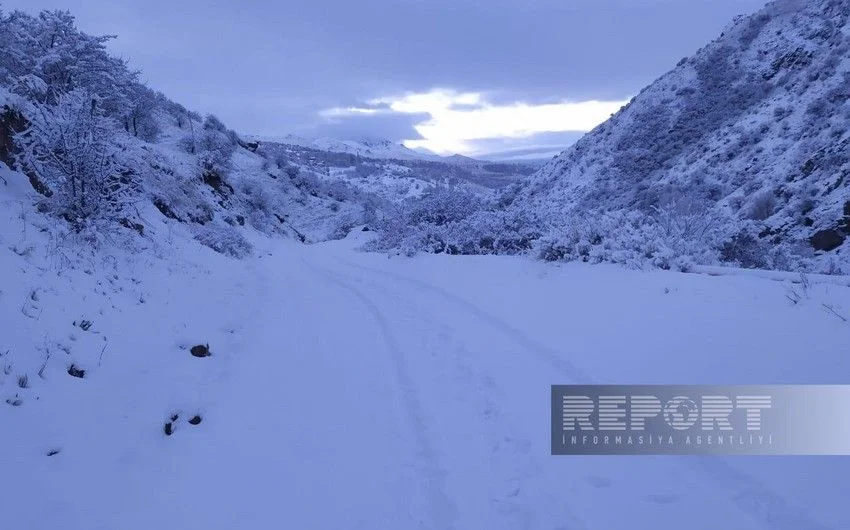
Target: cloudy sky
{"type": "Point", "coordinates": [476, 77]}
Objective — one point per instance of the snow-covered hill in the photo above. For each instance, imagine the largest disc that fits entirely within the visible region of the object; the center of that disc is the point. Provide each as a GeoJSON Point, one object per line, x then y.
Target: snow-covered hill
{"type": "Point", "coordinates": [380, 149]}
{"type": "Point", "coordinates": [394, 178]}
{"type": "Point", "coordinates": [743, 150]}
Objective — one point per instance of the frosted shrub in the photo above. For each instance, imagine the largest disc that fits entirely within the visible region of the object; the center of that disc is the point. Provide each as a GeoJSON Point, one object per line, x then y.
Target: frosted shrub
{"type": "Point", "coordinates": [262, 203]}
{"type": "Point", "coordinates": [426, 223]}
{"type": "Point", "coordinates": [343, 224]}
{"type": "Point", "coordinates": [495, 232]}
{"type": "Point", "coordinates": [212, 123]}
{"type": "Point", "coordinates": [762, 206]}
{"type": "Point", "coordinates": [188, 144]}
{"type": "Point", "coordinates": [215, 150]}
{"type": "Point", "coordinates": [441, 206]}
{"type": "Point", "coordinates": [306, 181]}
{"type": "Point", "coordinates": [746, 249]}
{"type": "Point", "coordinates": [687, 225]}
{"type": "Point", "coordinates": [224, 239]}
{"type": "Point", "coordinates": [257, 196]}
{"type": "Point", "coordinates": [338, 190]}
{"type": "Point", "coordinates": [633, 239]}
{"type": "Point", "coordinates": [69, 147]}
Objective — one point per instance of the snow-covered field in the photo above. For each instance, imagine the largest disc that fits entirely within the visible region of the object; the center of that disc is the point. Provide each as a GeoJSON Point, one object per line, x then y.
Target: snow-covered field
{"type": "Point", "coordinates": [351, 390]}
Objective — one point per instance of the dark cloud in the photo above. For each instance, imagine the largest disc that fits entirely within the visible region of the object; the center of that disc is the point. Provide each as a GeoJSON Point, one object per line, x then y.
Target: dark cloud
{"type": "Point", "coordinates": [541, 145]}
{"type": "Point", "coordinates": [365, 127]}
{"type": "Point", "coordinates": [269, 66]}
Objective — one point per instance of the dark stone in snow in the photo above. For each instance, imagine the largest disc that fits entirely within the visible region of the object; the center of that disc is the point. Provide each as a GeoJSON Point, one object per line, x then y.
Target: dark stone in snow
{"type": "Point", "coordinates": [827, 240]}
{"type": "Point", "coordinates": [126, 223]}
{"type": "Point", "coordinates": [165, 210]}
{"type": "Point", "coordinates": [214, 180]}
{"type": "Point", "coordinates": [194, 420]}
{"type": "Point", "coordinates": [365, 229]}
{"type": "Point", "coordinates": [76, 372]}
{"type": "Point", "coordinates": [201, 350]}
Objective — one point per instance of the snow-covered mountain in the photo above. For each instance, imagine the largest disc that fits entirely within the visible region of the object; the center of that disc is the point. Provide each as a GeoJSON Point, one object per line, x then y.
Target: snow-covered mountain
{"type": "Point", "coordinates": [743, 150]}
{"type": "Point", "coordinates": [381, 174]}
{"type": "Point", "coordinates": [366, 148]}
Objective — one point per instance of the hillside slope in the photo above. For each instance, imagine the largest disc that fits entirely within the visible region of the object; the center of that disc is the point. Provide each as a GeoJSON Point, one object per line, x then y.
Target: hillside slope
{"type": "Point", "coordinates": [743, 150]}
{"type": "Point", "coordinates": [109, 156]}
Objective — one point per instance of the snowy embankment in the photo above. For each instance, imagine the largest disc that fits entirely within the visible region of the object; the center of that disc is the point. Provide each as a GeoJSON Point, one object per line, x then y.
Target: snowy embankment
{"type": "Point", "coordinates": [348, 390]}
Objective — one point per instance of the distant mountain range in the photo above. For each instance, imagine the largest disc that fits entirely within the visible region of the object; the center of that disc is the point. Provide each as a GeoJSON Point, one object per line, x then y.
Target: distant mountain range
{"type": "Point", "coordinates": [366, 148]}
{"type": "Point", "coordinates": [390, 171]}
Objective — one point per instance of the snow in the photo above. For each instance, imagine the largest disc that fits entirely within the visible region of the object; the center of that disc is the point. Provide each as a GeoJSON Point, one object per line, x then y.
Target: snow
{"type": "Point", "coordinates": [352, 390]}
{"type": "Point", "coordinates": [380, 149]}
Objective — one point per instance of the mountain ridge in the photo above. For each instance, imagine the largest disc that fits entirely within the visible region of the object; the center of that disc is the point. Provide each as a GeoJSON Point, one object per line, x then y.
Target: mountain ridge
{"type": "Point", "coordinates": [752, 129]}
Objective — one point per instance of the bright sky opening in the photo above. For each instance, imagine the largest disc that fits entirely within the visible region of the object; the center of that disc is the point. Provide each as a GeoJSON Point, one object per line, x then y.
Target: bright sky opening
{"type": "Point", "coordinates": [456, 119]}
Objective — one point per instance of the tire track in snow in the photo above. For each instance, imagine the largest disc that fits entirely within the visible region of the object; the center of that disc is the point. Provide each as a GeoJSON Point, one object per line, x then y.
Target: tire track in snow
{"type": "Point", "coordinates": [751, 495]}
{"type": "Point", "coordinates": [755, 498]}
{"type": "Point", "coordinates": [510, 451]}
{"type": "Point", "coordinates": [442, 508]}
{"type": "Point", "coordinates": [548, 355]}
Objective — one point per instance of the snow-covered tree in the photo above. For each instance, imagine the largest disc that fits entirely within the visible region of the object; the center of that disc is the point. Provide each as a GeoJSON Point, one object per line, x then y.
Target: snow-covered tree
{"type": "Point", "coordinates": [49, 53]}
{"type": "Point", "coordinates": [139, 118]}
{"type": "Point", "coordinates": [69, 147]}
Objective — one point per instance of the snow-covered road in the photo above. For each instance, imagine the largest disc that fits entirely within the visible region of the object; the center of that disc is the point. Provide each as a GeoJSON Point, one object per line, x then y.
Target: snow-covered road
{"type": "Point", "coordinates": [348, 390]}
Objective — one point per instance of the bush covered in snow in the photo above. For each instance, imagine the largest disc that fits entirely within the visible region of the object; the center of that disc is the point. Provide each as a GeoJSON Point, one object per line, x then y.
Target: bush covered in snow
{"type": "Point", "coordinates": [419, 223]}
{"type": "Point", "coordinates": [69, 148]}
{"type": "Point", "coordinates": [679, 233]}
{"type": "Point", "coordinates": [224, 239]}
{"type": "Point", "coordinates": [663, 240]}
{"type": "Point", "coordinates": [453, 221]}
